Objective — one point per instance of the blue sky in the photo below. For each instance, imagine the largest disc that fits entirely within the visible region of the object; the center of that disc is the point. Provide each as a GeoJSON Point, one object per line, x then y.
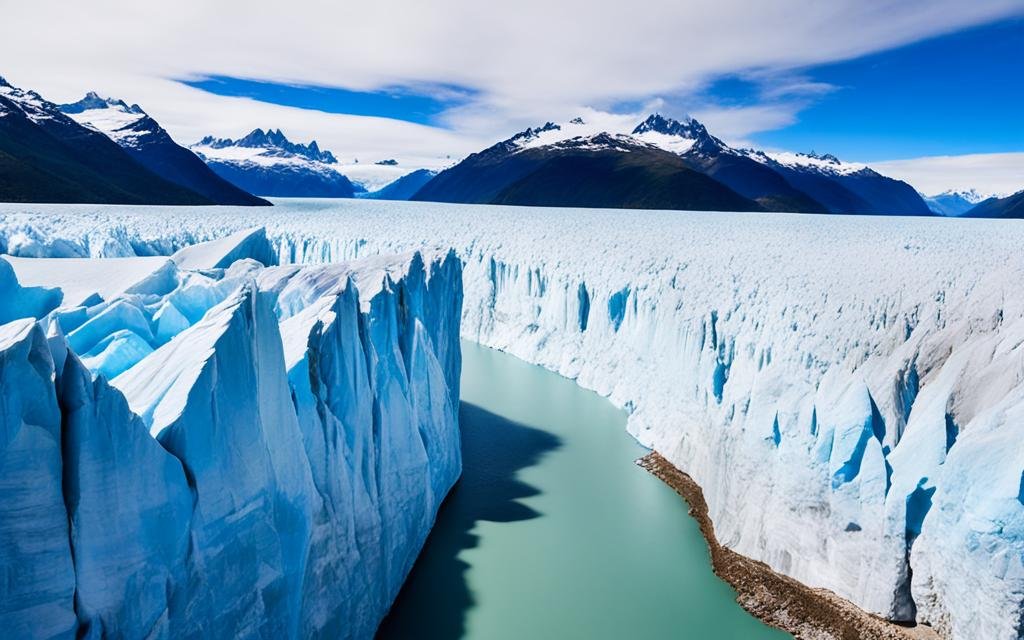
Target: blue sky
{"type": "Point", "coordinates": [419, 104]}
{"type": "Point", "coordinates": [954, 94]}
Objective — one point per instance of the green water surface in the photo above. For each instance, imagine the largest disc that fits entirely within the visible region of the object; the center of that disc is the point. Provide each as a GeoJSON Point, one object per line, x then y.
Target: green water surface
{"type": "Point", "coordinates": [554, 532]}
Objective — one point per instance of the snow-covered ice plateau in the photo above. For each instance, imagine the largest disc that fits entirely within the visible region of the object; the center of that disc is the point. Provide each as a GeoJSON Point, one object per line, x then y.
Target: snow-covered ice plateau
{"type": "Point", "coordinates": [206, 445]}
{"type": "Point", "coordinates": [848, 391]}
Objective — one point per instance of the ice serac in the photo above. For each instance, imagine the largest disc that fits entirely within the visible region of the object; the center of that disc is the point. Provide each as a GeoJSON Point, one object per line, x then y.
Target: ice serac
{"type": "Point", "coordinates": [216, 397]}
{"type": "Point", "coordinates": [24, 301]}
{"type": "Point", "coordinates": [36, 572]}
{"type": "Point", "coordinates": [267, 464]}
{"type": "Point", "coordinates": [376, 394]}
{"type": "Point", "coordinates": [80, 279]}
{"type": "Point", "coordinates": [129, 506]}
{"type": "Point", "coordinates": [222, 253]}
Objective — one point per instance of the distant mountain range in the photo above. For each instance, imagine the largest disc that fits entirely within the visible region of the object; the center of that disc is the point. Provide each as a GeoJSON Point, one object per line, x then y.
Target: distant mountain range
{"type": "Point", "coordinates": [102, 150]}
{"type": "Point", "coordinates": [664, 163]}
{"type": "Point", "coordinates": [46, 156]}
{"type": "Point", "coordinates": [1009, 207]}
{"type": "Point", "coordinates": [151, 146]}
{"type": "Point", "coordinates": [954, 203]}
{"type": "Point", "coordinates": [268, 164]}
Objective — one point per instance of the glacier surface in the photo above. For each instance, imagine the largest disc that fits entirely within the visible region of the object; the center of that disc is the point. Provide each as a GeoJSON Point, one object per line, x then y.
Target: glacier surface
{"type": "Point", "coordinates": [849, 392]}
{"type": "Point", "coordinates": [214, 446]}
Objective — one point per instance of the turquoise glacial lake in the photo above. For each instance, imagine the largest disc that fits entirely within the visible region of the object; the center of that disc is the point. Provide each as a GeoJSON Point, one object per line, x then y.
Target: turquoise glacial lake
{"type": "Point", "coordinates": [554, 532]}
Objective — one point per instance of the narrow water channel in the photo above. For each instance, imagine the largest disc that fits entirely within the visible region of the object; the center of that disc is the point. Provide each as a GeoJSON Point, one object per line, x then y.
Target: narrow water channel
{"type": "Point", "coordinates": [553, 532]}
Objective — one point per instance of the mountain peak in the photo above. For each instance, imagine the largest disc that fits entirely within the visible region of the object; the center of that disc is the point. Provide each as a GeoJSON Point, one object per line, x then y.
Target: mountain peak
{"type": "Point", "coordinates": [93, 100]}
{"type": "Point", "coordinates": [687, 128]}
{"type": "Point", "coordinates": [972, 196]}
{"type": "Point", "coordinates": [825, 157]}
{"type": "Point", "coordinates": [275, 143]}
{"type": "Point", "coordinates": [530, 134]}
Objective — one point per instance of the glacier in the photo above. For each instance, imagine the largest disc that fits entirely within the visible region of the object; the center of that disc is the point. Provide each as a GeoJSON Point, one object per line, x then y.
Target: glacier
{"type": "Point", "coordinates": [848, 392]}
{"type": "Point", "coordinates": [211, 445]}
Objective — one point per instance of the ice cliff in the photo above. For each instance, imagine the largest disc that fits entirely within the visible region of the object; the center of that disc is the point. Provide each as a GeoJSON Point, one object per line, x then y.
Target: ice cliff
{"type": "Point", "coordinates": [209, 447]}
{"type": "Point", "coordinates": [849, 392]}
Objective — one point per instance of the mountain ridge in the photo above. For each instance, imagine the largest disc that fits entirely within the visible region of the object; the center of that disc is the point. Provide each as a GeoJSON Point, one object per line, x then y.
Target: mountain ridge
{"type": "Point", "coordinates": [954, 202]}
{"type": "Point", "coordinates": [268, 163]}
{"type": "Point", "coordinates": [801, 183]}
{"type": "Point", "coordinates": [1012, 206]}
{"type": "Point", "coordinates": [150, 145]}
{"type": "Point", "coordinates": [548, 166]}
{"type": "Point", "coordinates": [46, 156]}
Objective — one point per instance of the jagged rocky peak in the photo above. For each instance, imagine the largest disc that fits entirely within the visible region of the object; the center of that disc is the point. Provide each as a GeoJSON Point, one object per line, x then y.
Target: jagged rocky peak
{"type": "Point", "coordinates": [93, 100]}
{"type": "Point", "coordinates": [824, 157]}
{"type": "Point", "coordinates": [601, 140]}
{"type": "Point", "coordinates": [532, 133]}
{"type": "Point", "coordinates": [686, 128]}
{"type": "Point", "coordinates": [275, 142]}
{"type": "Point", "coordinates": [970, 195]}
{"type": "Point", "coordinates": [30, 103]}
{"type": "Point", "coordinates": [17, 93]}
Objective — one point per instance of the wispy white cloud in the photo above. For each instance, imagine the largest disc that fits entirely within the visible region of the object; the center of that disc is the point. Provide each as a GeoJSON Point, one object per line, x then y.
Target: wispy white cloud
{"type": "Point", "coordinates": [990, 173]}
{"type": "Point", "coordinates": [788, 87]}
{"type": "Point", "coordinates": [527, 61]}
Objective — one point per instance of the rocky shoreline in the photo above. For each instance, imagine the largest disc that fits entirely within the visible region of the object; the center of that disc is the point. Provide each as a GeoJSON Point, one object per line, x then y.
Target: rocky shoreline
{"type": "Point", "coordinates": [776, 599]}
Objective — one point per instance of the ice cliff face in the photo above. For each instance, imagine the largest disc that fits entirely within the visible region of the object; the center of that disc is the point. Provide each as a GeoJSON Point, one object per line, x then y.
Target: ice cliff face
{"type": "Point", "coordinates": [227, 450]}
{"type": "Point", "coordinates": [848, 394]}
{"type": "Point", "coordinates": [38, 575]}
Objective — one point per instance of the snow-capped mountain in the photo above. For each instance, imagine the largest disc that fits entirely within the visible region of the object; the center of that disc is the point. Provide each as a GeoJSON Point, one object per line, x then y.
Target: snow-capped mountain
{"type": "Point", "coordinates": [705, 153]}
{"type": "Point", "coordinates": [956, 202]}
{"type": "Point", "coordinates": [152, 147]}
{"type": "Point", "coordinates": [677, 136]}
{"type": "Point", "coordinates": [111, 117]}
{"type": "Point", "coordinates": [268, 164]}
{"type": "Point", "coordinates": [580, 165]}
{"type": "Point", "coordinates": [843, 187]}
{"type": "Point", "coordinates": [46, 156]}
{"type": "Point", "coordinates": [273, 144]}
{"type": "Point", "coordinates": [774, 181]}
{"type": "Point", "coordinates": [1011, 206]}
{"type": "Point", "coordinates": [802, 182]}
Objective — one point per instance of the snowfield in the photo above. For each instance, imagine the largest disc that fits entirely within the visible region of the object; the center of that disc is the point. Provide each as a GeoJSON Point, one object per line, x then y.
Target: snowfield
{"type": "Point", "coordinates": [142, 494]}
{"type": "Point", "coordinates": [848, 391]}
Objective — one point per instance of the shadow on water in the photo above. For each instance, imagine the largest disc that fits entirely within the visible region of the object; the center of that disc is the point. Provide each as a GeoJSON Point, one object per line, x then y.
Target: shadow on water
{"type": "Point", "coordinates": [436, 596]}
